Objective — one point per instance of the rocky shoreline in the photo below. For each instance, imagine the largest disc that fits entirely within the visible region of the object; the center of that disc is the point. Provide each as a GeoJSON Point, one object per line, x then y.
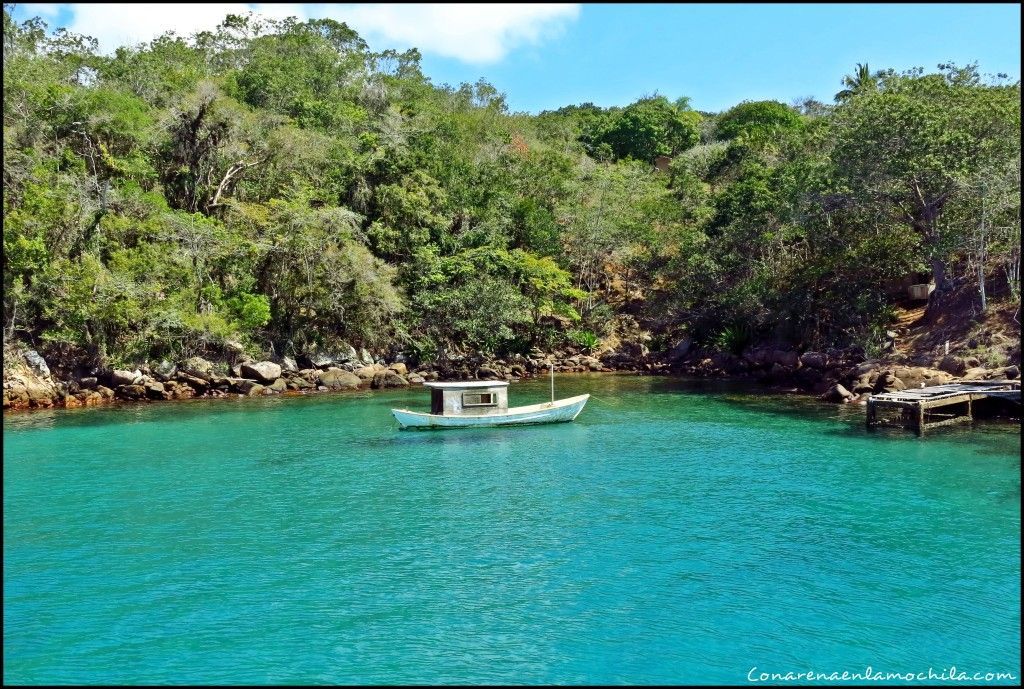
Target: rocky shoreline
{"type": "Point", "coordinates": [29, 383]}
{"type": "Point", "coordinates": [841, 376]}
{"type": "Point", "coordinates": [834, 376]}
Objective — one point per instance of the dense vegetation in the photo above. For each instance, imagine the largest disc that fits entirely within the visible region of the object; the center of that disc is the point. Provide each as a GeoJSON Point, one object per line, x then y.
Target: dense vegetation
{"type": "Point", "coordinates": [278, 185]}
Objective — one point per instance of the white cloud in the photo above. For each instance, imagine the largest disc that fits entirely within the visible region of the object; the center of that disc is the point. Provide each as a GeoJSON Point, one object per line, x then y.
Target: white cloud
{"type": "Point", "coordinates": [468, 32]}
{"type": "Point", "coordinates": [472, 33]}
{"type": "Point", "coordinates": [116, 24]}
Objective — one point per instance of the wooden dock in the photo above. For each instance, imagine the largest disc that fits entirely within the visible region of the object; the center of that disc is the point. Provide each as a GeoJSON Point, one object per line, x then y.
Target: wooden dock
{"type": "Point", "coordinates": [939, 405]}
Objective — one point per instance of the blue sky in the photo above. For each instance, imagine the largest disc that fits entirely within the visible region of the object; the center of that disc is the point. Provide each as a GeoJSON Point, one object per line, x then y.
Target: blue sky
{"type": "Point", "coordinates": [547, 56]}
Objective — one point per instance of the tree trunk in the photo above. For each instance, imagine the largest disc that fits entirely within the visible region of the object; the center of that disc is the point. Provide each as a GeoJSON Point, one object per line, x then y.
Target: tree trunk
{"type": "Point", "coordinates": [942, 285]}
{"type": "Point", "coordinates": [981, 258]}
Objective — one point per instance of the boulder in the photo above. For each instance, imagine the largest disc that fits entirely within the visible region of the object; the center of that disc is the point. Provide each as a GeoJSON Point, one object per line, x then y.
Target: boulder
{"type": "Point", "coordinates": [758, 356]}
{"type": "Point", "coordinates": [338, 379]}
{"type": "Point", "coordinates": [165, 370]}
{"type": "Point", "coordinates": [399, 368]}
{"type": "Point", "coordinates": [88, 383]}
{"type": "Point", "coordinates": [37, 363]}
{"type": "Point", "coordinates": [198, 366]}
{"type": "Point", "coordinates": [952, 364]}
{"type": "Point", "coordinates": [243, 385]}
{"type": "Point", "coordinates": [814, 359]}
{"type": "Point", "coordinates": [309, 374]}
{"type": "Point", "coordinates": [130, 392]}
{"type": "Point", "coordinates": [180, 391]}
{"type": "Point", "coordinates": [1012, 372]}
{"type": "Point", "coordinates": [680, 349]}
{"type": "Point", "coordinates": [487, 373]}
{"type": "Point", "coordinates": [893, 385]}
{"type": "Point", "coordinates": [388, 379]}
{"type": "Point", "coordinates": [234, 347]}
{"type": "Point", "coordinates": [722, 360]}
{"type": "Point", "coordinates": [15, 398]}
{"type": "Point", "coordinates": [105, 392]}
{"type": "Point", "coordinates": [300, 383]}
{"type": "Point", "coordinates": [789, 359]}
{"type": "Point", "coordinates": [809, 377]}
{"type": "Point", "coordinates": [256, 389]}
{"type": "Point", "coordinates": [936, 378]}
{"type": "Point", "coordinates": [289, 364]}
{"type": "Point", "coordinates": [862, 384]}
{"type": "Point", "coordinates": [415, 379]}
{"type": "Point", "coordinates": [278, 385]}
{"type": "Point", "coordinates": [884, 379]}
{"type": "Point", "coordinates": [365, 372]}
{"type": "Point", "coordinates": [91, 398]}
{"type": "Point", "coordinates": [321, 360]}
{"type": "Point", "coordinates": [975, 373]}
{"type": "Point", "coordinates": [365, 357]}
{"type": "Point", "coordinates": [866, 367]}
{"type": "Point", "coordinates": [263, 371]}
{"type": "Point", "coordinates": [196, 383]}
{"type": "Point", "coordinates": [347, 355]}
{"type": "Point", "coordinates": [636, 350]}
{"type": "Point", "coordinates": [119, 377]}
{"type": "Point", "coordinates": [39, 391]}
{"type": "Point", "coordinates": [155, 390]}
{"type": "Point", "coordinates": [837, 393]}
{"type": "Point", "coordinates": [912, 376]}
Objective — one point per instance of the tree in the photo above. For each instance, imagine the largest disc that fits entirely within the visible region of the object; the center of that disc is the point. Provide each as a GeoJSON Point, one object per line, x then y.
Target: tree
{"type": "Point", "coordinates": [757, 119]}
{"type": "Point", "coordinates": [652, 127]}
{"type": "Point", "coordinates": [905, 148]}
{"type": "Point", "coordinates": [861, 81]}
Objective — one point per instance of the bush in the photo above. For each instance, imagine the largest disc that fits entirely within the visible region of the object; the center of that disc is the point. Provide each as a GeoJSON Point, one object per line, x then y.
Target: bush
{"type": "Point", "coordinates": [734, 339]}
{"type": "Point", "coordinates": [585, 339]}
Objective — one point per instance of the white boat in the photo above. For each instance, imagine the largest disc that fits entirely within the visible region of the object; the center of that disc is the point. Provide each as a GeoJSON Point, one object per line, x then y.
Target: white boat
{"type": "Point", "coordinates": [485, 403]}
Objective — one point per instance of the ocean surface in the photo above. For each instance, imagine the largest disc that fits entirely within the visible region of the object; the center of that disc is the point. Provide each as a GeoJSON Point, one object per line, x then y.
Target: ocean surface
{"type": "Point", "coordinates": [676, 532]}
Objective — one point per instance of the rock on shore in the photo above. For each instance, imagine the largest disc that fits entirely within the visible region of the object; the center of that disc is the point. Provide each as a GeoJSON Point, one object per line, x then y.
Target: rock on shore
{"type": "Point", "coordinates": [835, 375]}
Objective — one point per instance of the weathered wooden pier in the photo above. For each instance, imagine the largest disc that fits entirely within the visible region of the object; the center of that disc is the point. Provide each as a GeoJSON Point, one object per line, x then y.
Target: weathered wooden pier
{"type": "Point", "coordinates": [939, 405]}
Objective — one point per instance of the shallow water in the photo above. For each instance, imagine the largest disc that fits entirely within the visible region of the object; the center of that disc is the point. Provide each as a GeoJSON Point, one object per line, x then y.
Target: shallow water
{"type": "Point", "coordinates": [675, 532]}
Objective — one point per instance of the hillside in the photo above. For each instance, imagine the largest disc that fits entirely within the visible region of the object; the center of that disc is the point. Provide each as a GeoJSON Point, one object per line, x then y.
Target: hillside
{"type": "Point", "coordinates": [276, 189]}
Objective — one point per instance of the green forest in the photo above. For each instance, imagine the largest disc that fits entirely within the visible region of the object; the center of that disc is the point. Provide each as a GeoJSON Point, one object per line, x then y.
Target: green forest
{"type": "Point", "coordinates": [278, 185]}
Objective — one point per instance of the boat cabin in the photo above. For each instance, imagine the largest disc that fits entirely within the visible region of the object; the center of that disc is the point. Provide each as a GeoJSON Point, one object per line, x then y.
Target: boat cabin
{"type": "Point", "coordinates": [471, 398]}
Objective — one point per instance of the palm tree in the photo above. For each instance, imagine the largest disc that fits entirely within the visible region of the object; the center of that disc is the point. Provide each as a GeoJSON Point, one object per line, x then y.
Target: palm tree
{"type": "Point", "coordinates": [862, 80]}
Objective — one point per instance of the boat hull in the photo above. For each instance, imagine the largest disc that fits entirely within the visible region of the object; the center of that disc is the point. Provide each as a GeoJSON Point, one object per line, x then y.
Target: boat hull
{"type": "Point", "coordinates": [558, 411]}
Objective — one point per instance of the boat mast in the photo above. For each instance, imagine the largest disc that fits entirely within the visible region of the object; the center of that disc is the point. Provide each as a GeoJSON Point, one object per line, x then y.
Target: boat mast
{"type": "Point", "coordinates": [552, 381]}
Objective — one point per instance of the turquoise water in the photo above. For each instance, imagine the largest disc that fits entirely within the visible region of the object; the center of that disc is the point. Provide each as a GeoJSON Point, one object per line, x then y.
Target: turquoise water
{"type": "Point", "coordinates": [674, 533]}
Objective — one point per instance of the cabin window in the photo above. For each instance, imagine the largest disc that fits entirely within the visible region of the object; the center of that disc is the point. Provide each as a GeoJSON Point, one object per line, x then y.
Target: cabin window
{"type": "Point", "coordinates": [478, 399]}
